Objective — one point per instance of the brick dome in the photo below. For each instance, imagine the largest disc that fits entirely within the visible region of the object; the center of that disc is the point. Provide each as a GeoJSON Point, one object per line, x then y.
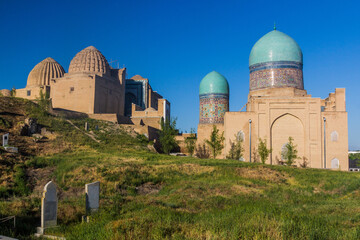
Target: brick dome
{"type": "Point", "coordinates": [43, 72]}
{"type": "Point", "coordinates": [89, 60]}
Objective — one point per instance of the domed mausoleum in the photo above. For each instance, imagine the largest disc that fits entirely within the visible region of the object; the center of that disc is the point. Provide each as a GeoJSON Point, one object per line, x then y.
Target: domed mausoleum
{"type": "Point", "coordinates": [278, 107]}
{"type": "Point", "coordinates": [93, 87]}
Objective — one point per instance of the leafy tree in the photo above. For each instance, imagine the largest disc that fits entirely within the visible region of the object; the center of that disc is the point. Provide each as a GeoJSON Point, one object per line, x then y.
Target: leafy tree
{"type": "Point", "coordinates": [202, 151]}
{"type": "Point", "coordinates": [263, 150]}
{"type": "Point", "coordinates": [290, 154]}
{"type": "Point", "coordinates": [167, 135]}
{"type": "Point", "coordinates": [216, 142]}
{"type": "Point", "coordinates": [236, 149]}
{"type": "Point", "coordinates": [190, 142]}
{"type": "Point", "coordinates": [354, 156]}
{"type": "Point", "coordinates": [255, 156]}
{"type": "Point", "coordinates": [43, 100]}
{"type": "Point", "coordinates": [13, 92]}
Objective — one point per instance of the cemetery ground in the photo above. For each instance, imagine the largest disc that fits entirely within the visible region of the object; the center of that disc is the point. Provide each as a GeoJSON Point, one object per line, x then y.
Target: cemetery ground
{"type": "Point", "coordinates": [146, 195]}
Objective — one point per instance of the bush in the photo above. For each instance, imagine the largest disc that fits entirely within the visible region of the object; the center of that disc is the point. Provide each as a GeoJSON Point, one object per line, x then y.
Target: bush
{"type": "Point", "coordinates": [202, 151]}
{"type": "Point", "coordinates": [236, 149]}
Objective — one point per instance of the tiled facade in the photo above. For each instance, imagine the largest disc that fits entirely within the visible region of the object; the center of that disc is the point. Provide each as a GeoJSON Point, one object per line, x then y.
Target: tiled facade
{"type": "Point", "coordinates": [213, 108]}
{"type": "Point", "coordinates": [276, 74]}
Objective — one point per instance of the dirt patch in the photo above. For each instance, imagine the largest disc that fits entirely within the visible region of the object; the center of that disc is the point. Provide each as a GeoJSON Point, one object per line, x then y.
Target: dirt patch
{"type": "Point", "coordinates": [38, 178]}
{"type": "Point", "coordinates": [262, 173]}
{"type": "Point", "coordinates": [148, 188]}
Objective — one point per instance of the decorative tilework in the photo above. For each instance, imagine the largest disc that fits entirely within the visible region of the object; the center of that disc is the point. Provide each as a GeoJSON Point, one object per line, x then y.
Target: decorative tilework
{"type": "Point", "coordinates": [213, 107]}
{"type": "Point", "coordinates": [276, 74]}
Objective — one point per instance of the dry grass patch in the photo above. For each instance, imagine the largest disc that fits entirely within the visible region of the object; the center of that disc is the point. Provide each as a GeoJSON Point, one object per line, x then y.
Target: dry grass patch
{"type": "Point", "coordinates": [262, 173]}
{"type": "Point", "coordinates": [240, 189]}
{"type": "Point", "coordinates": [187, 168]}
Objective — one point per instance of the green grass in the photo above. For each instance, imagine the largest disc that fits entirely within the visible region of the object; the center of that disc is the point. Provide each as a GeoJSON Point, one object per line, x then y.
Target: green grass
{"type": "Point", "coordinates": [146, 195]}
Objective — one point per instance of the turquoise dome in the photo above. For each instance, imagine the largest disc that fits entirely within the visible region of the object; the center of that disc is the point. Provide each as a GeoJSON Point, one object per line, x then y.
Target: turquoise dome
{"type": "Point", "coordinates": [214, 82]}
{"type": "Point", "coordinates": [275, 46]}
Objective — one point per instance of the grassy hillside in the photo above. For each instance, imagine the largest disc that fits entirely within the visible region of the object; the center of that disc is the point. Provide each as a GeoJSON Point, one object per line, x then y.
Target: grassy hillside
{"type": "Point", "coordinates": [145, 195]}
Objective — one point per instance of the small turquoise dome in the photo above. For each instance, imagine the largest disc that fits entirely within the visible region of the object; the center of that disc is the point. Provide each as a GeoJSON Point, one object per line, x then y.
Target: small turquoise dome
{"type": "Point", "coordinates": [214, 82]}
{"type": "Point", "coordinates": [275, 46]}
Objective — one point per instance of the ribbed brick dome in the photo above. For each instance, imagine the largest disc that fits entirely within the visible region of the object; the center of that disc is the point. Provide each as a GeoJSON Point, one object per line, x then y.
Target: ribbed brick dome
{"type": "Point", "coordinates": [41, 74]}
{"type": "Point", "coordinates": [89, 60]}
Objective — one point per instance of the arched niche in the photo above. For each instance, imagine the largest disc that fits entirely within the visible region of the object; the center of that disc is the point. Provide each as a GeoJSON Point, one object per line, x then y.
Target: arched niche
{"type": "Point", "coordinates": [282, 128]}
{"type": "Point", "coordinates": [334, 136]}
{"type": "Point", "coordinates": [240, 136]}
{"type": "Point", "coordinates": [335, 163]}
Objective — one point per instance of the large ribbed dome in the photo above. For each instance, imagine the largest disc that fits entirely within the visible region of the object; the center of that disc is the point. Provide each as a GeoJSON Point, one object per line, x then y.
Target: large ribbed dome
{"type": "Point", "coordinates": [89, 60]}
{"type": "Point", "coordinates": [41, 74]}
{"type": "Point", "coordinates": [214, 82]}
{"type": "Point", "coordinates": [275, 46]}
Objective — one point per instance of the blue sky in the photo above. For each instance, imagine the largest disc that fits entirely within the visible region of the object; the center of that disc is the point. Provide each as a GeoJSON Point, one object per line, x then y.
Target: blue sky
{"type": "Point", "coordinates": [176, 43]}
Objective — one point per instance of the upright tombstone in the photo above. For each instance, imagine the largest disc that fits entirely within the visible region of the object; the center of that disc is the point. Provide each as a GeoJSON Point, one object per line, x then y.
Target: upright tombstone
{"type": "Point", "coordinates": [5, 139]}
{"type": "Point", "coordinates": [92, 191]}
{"type": "Point", "coordinates": [86, 126]}
{"type": "Point", "coordinates": [49, 204]}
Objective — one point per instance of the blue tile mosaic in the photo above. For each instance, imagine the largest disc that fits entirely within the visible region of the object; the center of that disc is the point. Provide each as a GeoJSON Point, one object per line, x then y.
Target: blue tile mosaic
{"type": "Point", "coordinates": [275, 75]}
{"type": "Point", "coordinates": [213, 108]}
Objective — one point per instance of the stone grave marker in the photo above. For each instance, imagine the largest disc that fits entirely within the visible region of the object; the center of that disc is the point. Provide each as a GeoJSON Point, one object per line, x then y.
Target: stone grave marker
{"type": "Point", "coordinates": [86, 126]}
{"type": "Point", "coordinates": [92, 191]}
{"type": "Point", "coordinates": [49, 204]}
{"type": "Point", "coordinates": [5, 139]}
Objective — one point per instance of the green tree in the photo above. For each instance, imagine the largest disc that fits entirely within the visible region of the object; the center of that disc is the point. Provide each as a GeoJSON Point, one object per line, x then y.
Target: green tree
{"type": "Point", "coordinates": [43, 100]}
{"type": "Point", "coordinates": [216, 142]}
{"type": "Point", "coordinates": [236, 149]}
{"type": "Point", "coordinates": [290, 153]}
{"type": "Point", "coordinates": [190, 142]}
{"type": "Point", "coordinates": [167, 135]}
{"type": "Point", "coordinates": [13, 92]}
{"type": "Point", "coordinates": [263, 150]}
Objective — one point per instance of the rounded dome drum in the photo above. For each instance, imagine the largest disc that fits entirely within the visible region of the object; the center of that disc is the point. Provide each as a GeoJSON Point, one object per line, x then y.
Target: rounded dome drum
{"type": "Point", "coordinates": [43, 72]}
{"type": "Point", "coordinates": [214, 98]}
{"type": "Point", "coordinates": [276, 61]}
{"type": "Point", "coordinates": [89, 60]}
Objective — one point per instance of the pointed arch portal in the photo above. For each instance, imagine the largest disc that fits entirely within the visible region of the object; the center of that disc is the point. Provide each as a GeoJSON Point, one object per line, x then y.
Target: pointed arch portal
{"type": "Point", "coordinates": [282, 128]}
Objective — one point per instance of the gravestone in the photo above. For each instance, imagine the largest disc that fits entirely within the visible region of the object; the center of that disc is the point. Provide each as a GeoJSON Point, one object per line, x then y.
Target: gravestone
{"type": "Point", "coordinates": [49, 204]}
{"type": "Point", "coordinates": [5, 139]}
{"type": "Point", "coordinates": [86, 126]}
{"type": "Point", "coordinates": [92, 191]}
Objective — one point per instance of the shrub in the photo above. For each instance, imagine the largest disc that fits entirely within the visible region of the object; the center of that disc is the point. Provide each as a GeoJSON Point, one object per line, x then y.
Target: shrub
{"type": "Point", "coordinates": [290, 154]}
{"type": "Point", "coordinates": [236, 149]}
{"type": "Point", "coordinates": [190, 142]}
{"type": "Point", "coordinates": [263, 150]}
{"type": "Point", "coordinates": [202, 151]}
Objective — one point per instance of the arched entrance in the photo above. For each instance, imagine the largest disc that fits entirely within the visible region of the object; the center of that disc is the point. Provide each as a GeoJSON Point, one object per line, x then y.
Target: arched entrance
{"type": "Point", "coordinates": [282, 128]}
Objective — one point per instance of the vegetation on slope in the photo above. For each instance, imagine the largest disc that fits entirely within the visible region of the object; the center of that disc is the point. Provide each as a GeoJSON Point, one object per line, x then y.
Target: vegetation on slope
{"type": "Point", "coordinates": [145, 195]}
